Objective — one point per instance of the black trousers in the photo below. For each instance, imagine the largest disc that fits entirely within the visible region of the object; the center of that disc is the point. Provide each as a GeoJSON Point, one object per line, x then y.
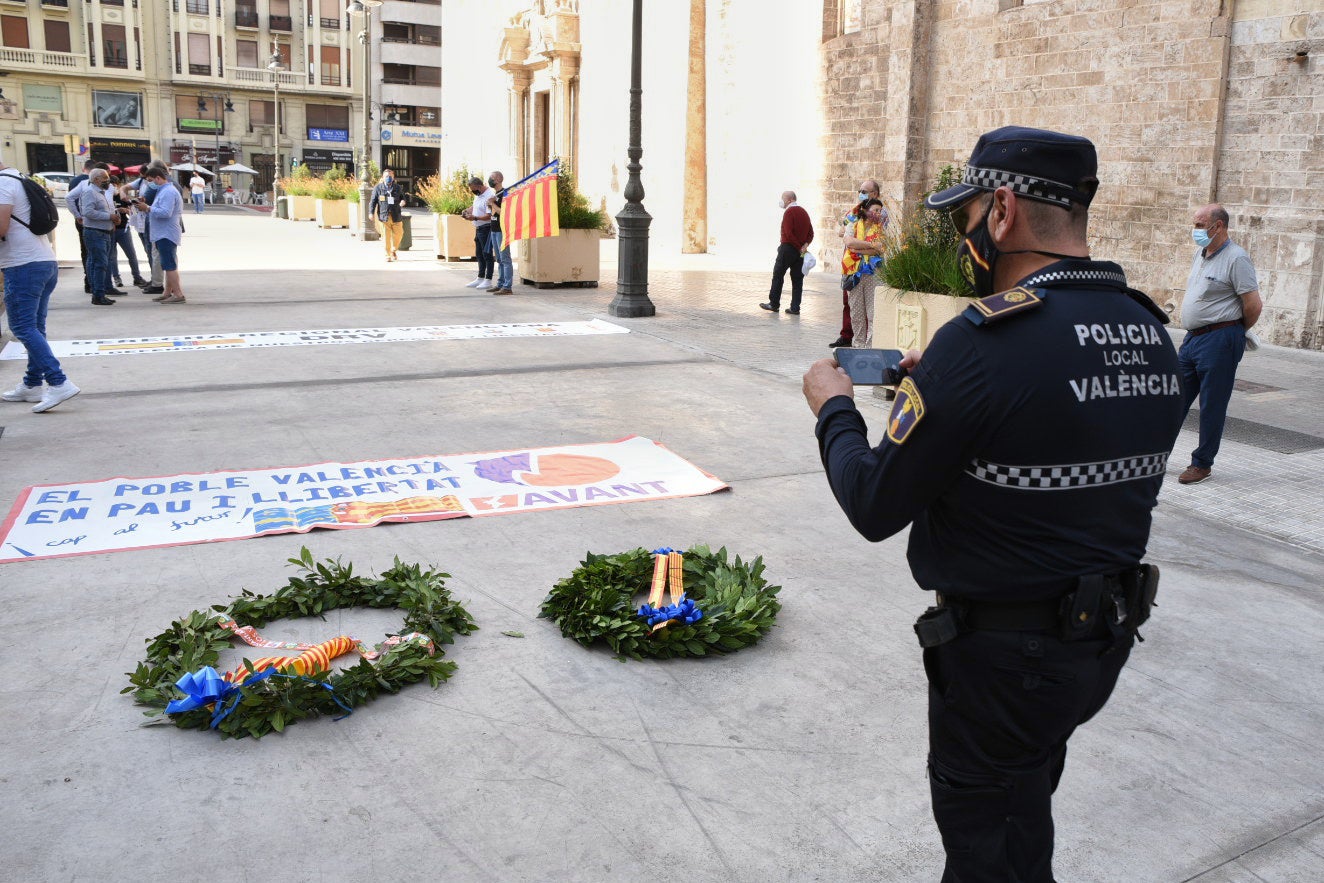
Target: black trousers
{"type": "Point", "coordinates": [1002, 706]}
{"type": "Point", "coordinates": [82, 252]}
{"type": "Point", "coordinates": [483, 248]}
{"type": "Point", "coordinates": [788, 258]}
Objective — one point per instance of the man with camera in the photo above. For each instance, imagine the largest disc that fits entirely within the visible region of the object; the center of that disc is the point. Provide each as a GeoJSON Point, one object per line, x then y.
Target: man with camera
{"type": "Point", "coordinates": [1026, 450]}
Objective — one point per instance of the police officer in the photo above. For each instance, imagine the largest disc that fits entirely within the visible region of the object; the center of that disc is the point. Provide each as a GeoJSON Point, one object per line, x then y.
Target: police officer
{"type": "Point", "coordinates": [1026, 449]}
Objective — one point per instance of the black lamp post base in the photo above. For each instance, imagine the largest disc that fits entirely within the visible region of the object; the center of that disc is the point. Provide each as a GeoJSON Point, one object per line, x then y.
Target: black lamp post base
{"type": "Point", "coordinates": [631, 301]}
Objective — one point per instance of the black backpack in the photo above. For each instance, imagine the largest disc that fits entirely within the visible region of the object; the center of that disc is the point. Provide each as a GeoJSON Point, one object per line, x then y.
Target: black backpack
{"type": "Point", "coordinates": [44, 218]}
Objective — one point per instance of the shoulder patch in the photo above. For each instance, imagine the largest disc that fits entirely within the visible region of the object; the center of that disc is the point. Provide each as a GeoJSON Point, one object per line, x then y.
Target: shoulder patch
{"type": "Point", "coordinates": [999, 306]}
{"type": "Point", "coordinates": [907, 411]}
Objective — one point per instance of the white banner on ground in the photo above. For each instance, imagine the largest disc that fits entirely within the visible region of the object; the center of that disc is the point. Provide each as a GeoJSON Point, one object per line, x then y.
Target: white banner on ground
{"type": "Point", "coordinates": [115, 514]}
{"type": "Point", "coordinates": [133, 346]}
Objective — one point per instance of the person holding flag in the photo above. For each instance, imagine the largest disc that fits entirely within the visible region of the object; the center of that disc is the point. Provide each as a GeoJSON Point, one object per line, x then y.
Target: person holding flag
{"type": "Point", "coordinates": [529, 209]}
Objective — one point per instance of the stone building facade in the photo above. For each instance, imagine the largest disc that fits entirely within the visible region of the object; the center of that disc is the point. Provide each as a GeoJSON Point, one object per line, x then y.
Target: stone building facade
{"type": "Point", "coordinates": [1188, 101]}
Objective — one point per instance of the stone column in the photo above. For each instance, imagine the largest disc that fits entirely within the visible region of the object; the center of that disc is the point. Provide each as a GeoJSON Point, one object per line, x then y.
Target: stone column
{"type": "Point", "coordinates": [907, 112]}
{"type": "Point", "coordinates": [694, 238]}
{"type": "Point", "coordinates": [517, 122]}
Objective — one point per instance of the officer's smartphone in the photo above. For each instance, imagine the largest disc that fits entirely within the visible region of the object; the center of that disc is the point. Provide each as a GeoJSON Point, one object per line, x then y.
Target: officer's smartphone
{"type": "Point", "coordinates": [871, 367]}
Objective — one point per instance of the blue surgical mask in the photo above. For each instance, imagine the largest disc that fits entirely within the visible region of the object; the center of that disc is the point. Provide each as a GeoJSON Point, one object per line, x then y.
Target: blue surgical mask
{"type": "Point", "coordinates": [863, 196]}
{"type": "Point", "coordinates": [1201, 237]}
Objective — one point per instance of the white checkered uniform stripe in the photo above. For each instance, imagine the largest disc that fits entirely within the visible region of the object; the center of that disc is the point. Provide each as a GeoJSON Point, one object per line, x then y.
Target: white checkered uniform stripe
{"type": "Point", "coordinates": [1027, 185]}
{"type": "Point", "coordinates": [1075, 276]}
{"type": "Point", "coordinates": [1068, 476]}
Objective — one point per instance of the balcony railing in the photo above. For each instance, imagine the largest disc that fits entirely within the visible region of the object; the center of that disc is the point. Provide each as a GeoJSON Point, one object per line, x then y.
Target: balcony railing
{"type": "Point", "coordinates": [200, 69]}
{"type": "Point", "coordinates": [280, 23]}
{"type": "Point", "coordinates": [263, 76]}
{"type": "Point", "coordinates": [40, 58]}
{"type": "Point", "coordinates": [246, 18]}
{"type": "Point", "coordinates": [120, 61]}
{"type": "Point", "coordinates": [331, 24]}
{"type": "Point", "coordinates": [197, 7]}
{"type": "Point", "coordinates": [58, 4]}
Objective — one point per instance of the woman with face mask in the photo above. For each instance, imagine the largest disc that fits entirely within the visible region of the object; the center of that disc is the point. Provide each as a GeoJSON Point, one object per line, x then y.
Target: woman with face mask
{"type": "Point", "coordinates": [861, 257]}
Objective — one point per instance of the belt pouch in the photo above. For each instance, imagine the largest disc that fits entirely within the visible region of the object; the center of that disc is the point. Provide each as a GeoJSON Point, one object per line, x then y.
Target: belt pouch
{"type": "Point", "coordinates": [1080, 609]}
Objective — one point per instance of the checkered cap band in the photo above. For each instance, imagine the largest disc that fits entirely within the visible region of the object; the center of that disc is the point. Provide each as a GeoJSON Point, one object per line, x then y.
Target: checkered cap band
{"type": "Point", "coordinates": [1030, 186]}
{"type": "Point", "coordinates": [1075, 276]}
{"type": "Point", "coordinates": [1069, 476]}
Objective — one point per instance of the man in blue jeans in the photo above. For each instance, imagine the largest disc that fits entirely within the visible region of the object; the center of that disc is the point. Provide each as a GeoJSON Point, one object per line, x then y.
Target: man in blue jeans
{"type": "Point", "coordinates": [505, 271]}
{"type": "Point", "coordinates": [98, 215]}
{"type": "Point", "coordinates": [1222, 303]}
{"type": "Point", "coordinates": [30, 272]}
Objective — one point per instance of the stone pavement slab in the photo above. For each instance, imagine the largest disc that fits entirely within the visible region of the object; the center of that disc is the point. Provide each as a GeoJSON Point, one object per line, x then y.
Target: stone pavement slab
{"type": "Point", "coordinates": [798, 759]}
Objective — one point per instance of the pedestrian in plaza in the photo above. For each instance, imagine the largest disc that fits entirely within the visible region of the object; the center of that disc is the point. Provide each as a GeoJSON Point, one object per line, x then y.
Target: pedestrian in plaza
{"type": "Point", "coordinates": [868, 190]}
{"type": "Point", "coordinates": [28, 266]}
{"type": "Point", "coordinates": [1222, 302]}
{"type": "Point", "coordinates": [123, 239]}
{"type": "Point", "coordinates": [71, 203]}
{"type": "Point", "coordinates": [198, 188]}
{"type": "Point", "coordinates": [796, 234]}
{"type": "Point", "coordinates": [1027, 464]}
{"type": "Point", "coordinates": [385, 205]}
{"type": "Point", "coordinates": [98, 214]}
{"type": "Point", "coordinates": [861, 259]}
{"type": "Point", "coordinates": [166, 219]}
{"type": "Point", "coordinates": [147, 190]}
{"type": "Point", "coordinates": [505, 271]}
{"type": "Point", "coordinates": [481, 214]}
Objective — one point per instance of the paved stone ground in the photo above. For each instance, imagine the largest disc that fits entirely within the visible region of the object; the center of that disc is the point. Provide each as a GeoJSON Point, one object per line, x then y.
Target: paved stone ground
{"type": "Point", "coordinates": [799, 759]}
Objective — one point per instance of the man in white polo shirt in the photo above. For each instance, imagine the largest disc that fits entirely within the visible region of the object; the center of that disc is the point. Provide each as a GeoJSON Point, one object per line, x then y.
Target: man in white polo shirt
{"type": "Point", "coordinates": [30, 272]}
{"type": "Point", "coordinates": [1222, 302]}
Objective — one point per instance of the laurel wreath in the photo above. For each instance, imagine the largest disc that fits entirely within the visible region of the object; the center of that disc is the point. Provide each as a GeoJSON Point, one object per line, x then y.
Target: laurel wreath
{"type": "Point", "coordinates": [599, 601]}
{"type": "Point", "coordinates": [196, 640]}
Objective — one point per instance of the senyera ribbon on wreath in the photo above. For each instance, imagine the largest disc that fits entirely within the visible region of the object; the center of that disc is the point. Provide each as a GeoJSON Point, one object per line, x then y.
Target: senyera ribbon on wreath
{"type": "Point", "coordinates": [716, 605]}
{"type": "Point", "coordinates": [271, 692]}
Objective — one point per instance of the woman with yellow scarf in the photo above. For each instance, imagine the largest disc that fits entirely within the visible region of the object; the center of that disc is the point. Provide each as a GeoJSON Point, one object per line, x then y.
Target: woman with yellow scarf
{"type": "Point", "coordinates": [861, 257]}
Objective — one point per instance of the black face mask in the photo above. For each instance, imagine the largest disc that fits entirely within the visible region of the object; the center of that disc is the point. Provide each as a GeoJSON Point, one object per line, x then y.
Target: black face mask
{"type": "Point", "coordinates": [978, 256]}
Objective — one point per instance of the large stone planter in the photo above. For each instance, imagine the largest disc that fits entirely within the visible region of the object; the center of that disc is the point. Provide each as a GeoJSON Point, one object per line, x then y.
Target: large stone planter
{"type": "Point", "coordinates": [454, 238]}
{"type": "Point", "coordinates": [571, 258]}
{"type": "Point", "coordinates": [303, 208]}
{"type": "Point", "coordinates": [907, 320]}
{"type": "Point", "coordinates": [332, 213]}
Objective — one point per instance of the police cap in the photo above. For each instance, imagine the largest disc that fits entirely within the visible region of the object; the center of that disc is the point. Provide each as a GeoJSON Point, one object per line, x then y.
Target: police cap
{"type": "Point", "coordinates": [1035, 163]}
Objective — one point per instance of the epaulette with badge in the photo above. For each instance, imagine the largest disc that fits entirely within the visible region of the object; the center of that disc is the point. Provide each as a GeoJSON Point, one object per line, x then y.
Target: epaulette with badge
{"type": "Point", "coordinates": [997, 307]}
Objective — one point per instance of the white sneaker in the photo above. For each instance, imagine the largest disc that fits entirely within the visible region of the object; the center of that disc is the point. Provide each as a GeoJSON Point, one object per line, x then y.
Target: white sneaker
{"type": "Point", "coordinates": [22, 393]}
{"type": "Point", "coordinates": [54, 395]}
{"type": "Point", "coordinates": [477, 282]}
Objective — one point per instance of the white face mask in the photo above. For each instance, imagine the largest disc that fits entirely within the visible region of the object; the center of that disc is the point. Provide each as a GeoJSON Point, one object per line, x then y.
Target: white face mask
{"type": "Point", "coordinates": [781, 203]}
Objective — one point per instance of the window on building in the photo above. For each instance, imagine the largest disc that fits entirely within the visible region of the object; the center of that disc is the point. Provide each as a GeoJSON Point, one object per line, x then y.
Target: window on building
{"type": "Point", "coordinates": [427, 76]}
{"type": "Point", "coordinates": [395, 32]}
{"type": "Point", "coordinates": [280, 16]}
{"type": "Point", "coordinates": [220, 56]}
{"type": "Point", "coordinates": [57, 36]}
{"type": "Point", "coordinates": [427, 35]}
{"type": "Point", "coordinates": [327, 116]}
{"type": "Point", "coordinates": [245, 53]}
{"type": "Point", "coordinates": [398, 73]}
{"type": "Point", "coordinates": [329, 74]}
{"type": "Point", "coordinates": [116, 52]}
{"type": "Point", "coordinates": [283, 50]}
{"type": "Point", "coordinates": [14, 32]}
{"type": "Point", "coordinates": [197, 7]}
{"type": "Point", "coordinates": [332, 12]}
{"type": "Point", "coordinates": [850, 16]}
{"type": "Point", "coordinates": [261, 113]}
{"type": "Point", "coordinates": [199, 54]}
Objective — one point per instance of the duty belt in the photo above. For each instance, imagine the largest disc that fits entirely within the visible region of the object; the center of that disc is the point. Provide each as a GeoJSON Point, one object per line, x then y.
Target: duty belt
{"type": "Point", "coordinates": [1214, 327]}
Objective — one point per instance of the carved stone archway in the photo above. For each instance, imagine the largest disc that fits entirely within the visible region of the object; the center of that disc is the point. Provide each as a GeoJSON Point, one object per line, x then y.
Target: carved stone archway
{"type": "Point", "coordinates": [540, 52]}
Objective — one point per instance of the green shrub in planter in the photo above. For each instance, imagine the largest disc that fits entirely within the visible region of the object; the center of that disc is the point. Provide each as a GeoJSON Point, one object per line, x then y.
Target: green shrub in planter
{"type": "Point", "coordinates": [447, 196]}
{"type": "Point", "coordinates": [921, 256]}
{"type": "Point", "coordinates": [574, 210]}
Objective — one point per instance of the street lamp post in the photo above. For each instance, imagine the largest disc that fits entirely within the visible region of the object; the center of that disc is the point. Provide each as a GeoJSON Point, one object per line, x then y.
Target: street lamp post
{"type": "Point", "coordinates": [275, 66]}
{"type": "Point", "coordinates": [364, 8]}
{"type": "Point", "coordinates": [632, 223]}
{"type": "Point", "coordinates": [229, 108]}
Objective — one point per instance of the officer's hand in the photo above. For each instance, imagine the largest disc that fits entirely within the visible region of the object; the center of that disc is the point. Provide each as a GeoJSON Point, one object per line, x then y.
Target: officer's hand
{"type": "Point", "coordinates": [911, 360]}
{"type": "Point", "coordinates": [824, 380]}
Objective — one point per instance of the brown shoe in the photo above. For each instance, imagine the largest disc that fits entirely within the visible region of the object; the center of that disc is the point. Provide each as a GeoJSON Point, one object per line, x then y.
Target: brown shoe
{"type": "Point", "coordinates": [174, 300]}
{"type": "Point", "coordinates": [1193, 475]}
{"type": "Point", "coordinates": [160, 297]}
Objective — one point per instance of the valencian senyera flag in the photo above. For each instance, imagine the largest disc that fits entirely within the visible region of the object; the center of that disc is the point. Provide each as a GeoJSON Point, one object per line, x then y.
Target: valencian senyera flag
{"type": "Point", "coordinates": [529, 209]}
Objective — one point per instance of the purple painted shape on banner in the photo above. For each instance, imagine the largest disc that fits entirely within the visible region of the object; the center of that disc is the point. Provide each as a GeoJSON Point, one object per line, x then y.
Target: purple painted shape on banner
{"type": "Point", "coordinates": [502, 469]}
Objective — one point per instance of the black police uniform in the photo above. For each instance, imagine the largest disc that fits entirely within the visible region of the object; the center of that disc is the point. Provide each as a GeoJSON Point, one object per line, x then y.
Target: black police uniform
{"type": "Point", "coordinates": [1028, 448]}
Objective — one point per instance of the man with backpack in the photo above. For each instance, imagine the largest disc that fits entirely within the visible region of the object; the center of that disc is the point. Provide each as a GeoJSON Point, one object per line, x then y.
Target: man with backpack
{"type": "Point", "coordinates": [27, 214]}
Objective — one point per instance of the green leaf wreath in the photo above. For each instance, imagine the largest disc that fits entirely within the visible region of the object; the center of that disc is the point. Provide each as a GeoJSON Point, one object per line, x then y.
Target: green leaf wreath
{"type": "Point", "coordinates": [196, 640]}
{"type": "Point", "coordinates": [599, 601]}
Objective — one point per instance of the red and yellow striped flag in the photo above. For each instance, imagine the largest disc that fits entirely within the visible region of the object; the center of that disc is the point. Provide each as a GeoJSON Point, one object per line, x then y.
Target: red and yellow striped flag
{"type": "Point", "coordinates": [529, 210]}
